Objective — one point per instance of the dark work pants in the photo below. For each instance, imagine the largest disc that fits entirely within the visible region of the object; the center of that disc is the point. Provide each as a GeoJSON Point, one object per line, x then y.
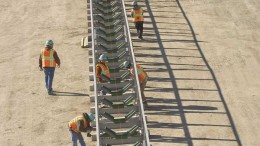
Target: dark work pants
{"type": "Point", "coordinates": [139, 28]}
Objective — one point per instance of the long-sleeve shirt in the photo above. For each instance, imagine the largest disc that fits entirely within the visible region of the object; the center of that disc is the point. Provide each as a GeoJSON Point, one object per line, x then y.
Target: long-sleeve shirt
{"type": "Point", "coordinates": [56, 57]}
{"type": "Point", "coordinates": [81, 126]}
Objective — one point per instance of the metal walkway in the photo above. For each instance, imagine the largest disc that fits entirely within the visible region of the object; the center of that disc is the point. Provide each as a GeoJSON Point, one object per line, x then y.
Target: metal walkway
{"type": "Point", "coordinates": [120, 116]}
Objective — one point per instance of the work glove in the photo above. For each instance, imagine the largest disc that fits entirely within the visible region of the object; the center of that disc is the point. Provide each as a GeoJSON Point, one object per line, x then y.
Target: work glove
{"type": "Point", "coordinates": [89, 129]}
{"type": "Point", "coordinates": [58, 66]}
{"type": "Point", "coordinates": [88, 135]}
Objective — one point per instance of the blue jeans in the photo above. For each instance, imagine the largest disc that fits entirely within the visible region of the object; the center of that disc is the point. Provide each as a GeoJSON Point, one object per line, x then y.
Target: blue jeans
{"type": "Point", "coordinates": [49, 74]}
{"type": "Point", "coordinates": [75, 137]}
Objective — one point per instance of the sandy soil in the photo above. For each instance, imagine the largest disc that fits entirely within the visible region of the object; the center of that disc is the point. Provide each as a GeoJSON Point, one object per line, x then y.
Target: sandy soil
{"type": "Point", "coordinates": [29, 116]}
{"type": "Point", "coordinates": [204, 72]}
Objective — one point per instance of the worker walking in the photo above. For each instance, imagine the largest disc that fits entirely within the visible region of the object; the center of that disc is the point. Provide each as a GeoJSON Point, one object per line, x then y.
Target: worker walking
{"type": "Point", "coordinates": [47, 62]}
{"type": "Point", "coordinates": [102, 68]}
{"type": "Point", "coordinates": [142, 76]}
{"type": "Point", "coordinates": [80, 124]}
{"type": "Point", "coordinates": [138, 18]}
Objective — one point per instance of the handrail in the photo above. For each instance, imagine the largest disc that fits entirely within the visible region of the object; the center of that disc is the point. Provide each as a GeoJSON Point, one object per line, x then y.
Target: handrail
{"type": "Point", "coordinates": [136, 76]}
{"type": "Point", "coordinates": [94, 71]}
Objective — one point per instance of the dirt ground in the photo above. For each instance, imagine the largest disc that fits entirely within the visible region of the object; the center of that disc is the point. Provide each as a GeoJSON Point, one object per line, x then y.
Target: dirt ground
{"type": "Point", "coordinates": [202, 57]}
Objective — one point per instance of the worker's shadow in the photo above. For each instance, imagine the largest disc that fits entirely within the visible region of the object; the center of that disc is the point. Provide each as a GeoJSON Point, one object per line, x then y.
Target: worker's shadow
{"type": "Point", "coordinates": [59, 93]}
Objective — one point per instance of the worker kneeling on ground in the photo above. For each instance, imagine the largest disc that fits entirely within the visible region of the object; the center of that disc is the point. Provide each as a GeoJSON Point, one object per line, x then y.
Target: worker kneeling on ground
{"type": "Point", "coordinates": [80, 124]}
{"type": "Point", "coordinates": [138, 18]}
{"type": "Point", "coordinates": [102, 68]}
{"type": "Point", "coordinates": [47, 62]}
{"type": "Point", "coordinates": [142, 75]}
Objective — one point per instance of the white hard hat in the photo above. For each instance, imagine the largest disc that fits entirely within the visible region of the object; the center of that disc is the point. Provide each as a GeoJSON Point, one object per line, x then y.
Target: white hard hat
{"type": "Point", "coordinates": [103, 57]}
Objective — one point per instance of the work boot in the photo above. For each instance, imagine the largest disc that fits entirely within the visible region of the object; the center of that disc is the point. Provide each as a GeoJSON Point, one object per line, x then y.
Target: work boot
{"type": "Point", "coordinates": [50, 92]}
{"type": "Point", "coordinates": [140, 37]}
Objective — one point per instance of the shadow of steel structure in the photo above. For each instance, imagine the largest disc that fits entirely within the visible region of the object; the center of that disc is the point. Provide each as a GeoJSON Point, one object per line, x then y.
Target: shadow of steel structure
{"type": "Point", "coordinates": [120, 118]}
{"type": "Point", "coordinates": [213, 76]}
{"type": "Point", "coordinates": [167, 66]}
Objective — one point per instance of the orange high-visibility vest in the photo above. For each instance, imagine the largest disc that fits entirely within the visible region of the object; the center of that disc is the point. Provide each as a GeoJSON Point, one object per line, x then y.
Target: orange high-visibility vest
{"type": "Point", "coordinates": [48, 59]}
{"type": "Point", "coordinates": [138, 15]}
{"type": "Point", "coordinates": [142, 75]}
{"type": "Point", "coordinates": [74, 123]}
{"type": "Point", "coordinates": [105, 69]}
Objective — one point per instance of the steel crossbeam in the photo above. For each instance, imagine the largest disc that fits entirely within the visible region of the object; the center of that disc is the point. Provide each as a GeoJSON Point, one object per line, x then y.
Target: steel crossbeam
{"type": "Point", "coordinates": [120, 118]}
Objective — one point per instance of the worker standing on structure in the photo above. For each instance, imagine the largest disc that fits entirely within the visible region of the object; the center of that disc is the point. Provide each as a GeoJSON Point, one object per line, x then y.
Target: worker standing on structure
{"type": "Point", "coordinates": [138, 18]}
{"type": "Point", "coordinates": [47, 63]}
{"type": "Point", "coordinates": [80, 124]}
{"type": "Point", "coordinates": [142, 75]}
{"type": "Point", "coordinates": [102, 68]}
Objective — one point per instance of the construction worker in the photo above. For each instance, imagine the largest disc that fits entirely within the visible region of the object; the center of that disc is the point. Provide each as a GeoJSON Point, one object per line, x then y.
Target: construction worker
{"type": "Point", "coordinates": [138, 18]}
{"type": "Point", "coordinates": [47, 63]}
{"type": "Point", "coordinates": [102, 68]}
{"type": "Point", "coordinates": [142, 76]}
{"type": "Point", "coordinates": [80, 124]}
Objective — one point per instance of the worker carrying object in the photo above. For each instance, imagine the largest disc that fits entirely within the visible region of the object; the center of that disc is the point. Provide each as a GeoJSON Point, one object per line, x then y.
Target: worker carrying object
{"type": "Point", "coordinates": [142, 76]}
{"type": "Point", "coordinates": [47, 63]}
{"type": "Point", "coordinates": [138, 18]}
{"type": "Point", "coordinates": [102, 68]}
{"type": "Point", "coordinates": [80, 124]}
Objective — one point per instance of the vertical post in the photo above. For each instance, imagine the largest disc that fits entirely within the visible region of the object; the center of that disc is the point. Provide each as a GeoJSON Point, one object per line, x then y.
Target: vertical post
{"type": "Point", "coordinates": [94, 71]}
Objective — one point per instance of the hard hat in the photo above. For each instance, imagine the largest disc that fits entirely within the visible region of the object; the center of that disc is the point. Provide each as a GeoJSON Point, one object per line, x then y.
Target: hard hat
{"type": "Point", "coordinates": [49, 43]}
{"type": "Point", "coordinates": [103, 57]}
{"type": "Point", "coordinates": [91, 116]}
{"type": "Point", "coordinates": [127, 64]}
{"type": "Point", "coordinates": [134, 3]}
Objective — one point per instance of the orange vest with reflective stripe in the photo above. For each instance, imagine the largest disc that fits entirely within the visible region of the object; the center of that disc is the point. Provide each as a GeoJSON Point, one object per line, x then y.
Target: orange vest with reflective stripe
{"type": "Point", "coordinates": [138, 15]}
{"type": "Point", "coordinates": [105, 69]}
{"type": "Point", "coordinates": [141, 73]}
{"type": "Point", "coordinates": [74, 123]}
{"type": "Point", "coordinates": [48, 59]}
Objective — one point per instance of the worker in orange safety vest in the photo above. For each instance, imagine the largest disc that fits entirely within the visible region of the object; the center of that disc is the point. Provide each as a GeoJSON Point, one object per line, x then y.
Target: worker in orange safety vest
{"type": "Point", "coordinates": [102, 68]}
{"type": "Point", "coordinates": [138, 18]}
{"type": "Point", "coordinates": [47, 63]}
{"type": "Point", "coordinates": [80, 124]}
{"type": "Point", "coordinates": [142, 76]}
